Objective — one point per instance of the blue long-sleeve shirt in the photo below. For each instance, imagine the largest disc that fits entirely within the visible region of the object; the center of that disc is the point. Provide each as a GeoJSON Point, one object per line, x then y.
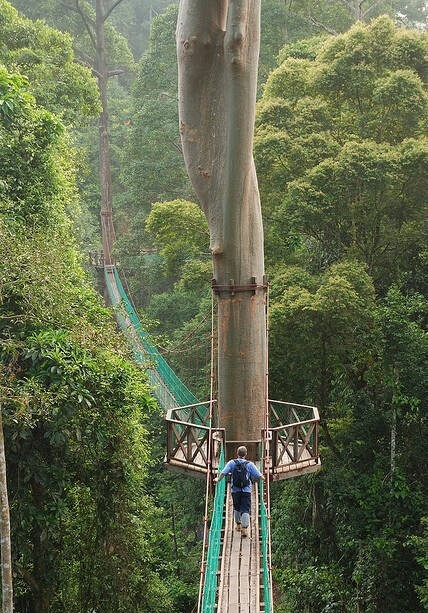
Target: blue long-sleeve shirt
{"type": "Point", "coordinates": [253, 473]}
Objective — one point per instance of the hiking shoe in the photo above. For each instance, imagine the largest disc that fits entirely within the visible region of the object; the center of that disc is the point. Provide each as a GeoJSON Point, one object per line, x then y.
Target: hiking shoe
{"type": "Point", "coordinates": [244, 531]}
{"type": "Point", "coordinates": [238, 527]}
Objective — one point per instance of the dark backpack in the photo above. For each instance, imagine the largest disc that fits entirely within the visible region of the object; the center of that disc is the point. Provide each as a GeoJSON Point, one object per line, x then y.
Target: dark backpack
{"type": "Point", "coordinates": [240, 478]}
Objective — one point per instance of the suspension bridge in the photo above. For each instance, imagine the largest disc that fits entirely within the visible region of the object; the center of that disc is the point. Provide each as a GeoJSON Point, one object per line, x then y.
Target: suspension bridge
{"type": "Point", "coordinates": [236, 572]}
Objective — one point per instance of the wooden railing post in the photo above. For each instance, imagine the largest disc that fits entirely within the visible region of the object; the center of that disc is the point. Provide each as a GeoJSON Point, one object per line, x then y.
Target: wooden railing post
{"type": "Point", "coordinates": [188, 445]}
{"type": "Point", "coordinates": [316, 439]}
{"type": "Point", "coordinates": [274, 449]}
{"type": "Point", "coordinates": [169, 443]}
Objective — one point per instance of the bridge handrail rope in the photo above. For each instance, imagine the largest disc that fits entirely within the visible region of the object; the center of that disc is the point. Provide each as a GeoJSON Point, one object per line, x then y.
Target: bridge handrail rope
{"type": "Point", "coordinates": [180, 391]}
{"type": "Point", "coordinates": [266, 549]}
{"type": "Point", "coordinates": [210, 463]}
{"type": "Point", "coordinates": [207, 596]}
{"type": "Point", "coordinates": [264, 488]}
{"type": "Point", "coordinates": [164, 397]}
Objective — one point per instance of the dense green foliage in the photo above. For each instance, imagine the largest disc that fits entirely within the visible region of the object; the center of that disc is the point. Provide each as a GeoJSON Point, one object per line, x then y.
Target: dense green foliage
{"type": "Point", "coordinates": [341, 158]}
{"type": "Point", "coordinates": [45, 56]}
{"type": "Point", "coordinates": [309, 17]}
{"type": "Point", "coordinates": [85, 533]}
{"type": "Point", "coordinates": [340, 149]}
{"type": "Point", "coordinates": [77, 43]}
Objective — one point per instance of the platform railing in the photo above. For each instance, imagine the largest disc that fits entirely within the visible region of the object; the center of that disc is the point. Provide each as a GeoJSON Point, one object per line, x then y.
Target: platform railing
{"type": "Point", "coordinates": [189, 434]}
{"type": "Point", "coordinates": [293, 434]}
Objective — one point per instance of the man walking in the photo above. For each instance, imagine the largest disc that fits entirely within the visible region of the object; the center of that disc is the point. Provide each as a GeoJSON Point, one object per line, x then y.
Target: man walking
{"type": "Point", "coordinates": [243, 473]}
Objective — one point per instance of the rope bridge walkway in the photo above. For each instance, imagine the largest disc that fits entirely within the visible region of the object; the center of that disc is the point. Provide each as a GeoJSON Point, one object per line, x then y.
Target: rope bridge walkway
{"type": "Point", "coordinates": [235, 570]}
{"type": "Point", "coordinates": [243, 567]}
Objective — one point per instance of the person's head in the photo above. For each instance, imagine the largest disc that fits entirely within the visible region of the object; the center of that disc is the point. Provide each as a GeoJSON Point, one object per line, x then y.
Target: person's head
{"type": "Point", "coordinates": [242, 451]}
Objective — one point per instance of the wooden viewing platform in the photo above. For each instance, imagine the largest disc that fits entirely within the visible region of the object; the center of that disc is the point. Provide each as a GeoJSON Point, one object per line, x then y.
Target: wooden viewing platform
{"type": "Point", "coordinates": [292, 435]}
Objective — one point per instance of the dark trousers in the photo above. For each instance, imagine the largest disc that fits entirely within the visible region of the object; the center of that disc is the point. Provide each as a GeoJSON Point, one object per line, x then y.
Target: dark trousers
{"type": "Point", "coordinates": [242, 502]}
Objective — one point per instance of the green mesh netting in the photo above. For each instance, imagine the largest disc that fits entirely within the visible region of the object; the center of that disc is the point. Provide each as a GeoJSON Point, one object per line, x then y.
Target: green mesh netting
{"type": "Point", "coordinates": [169, 389]}
{"type": "Point", "coordinates": [214, 544]}
{"type": "Point", "coordinates": [264, 524]}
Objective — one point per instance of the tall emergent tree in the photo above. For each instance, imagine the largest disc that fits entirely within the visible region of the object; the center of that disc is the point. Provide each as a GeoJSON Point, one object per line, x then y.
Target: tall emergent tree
{"type": "Point", "coordinates": [218, 46]}
{"type": "Point", "coordinates": [99, 65]}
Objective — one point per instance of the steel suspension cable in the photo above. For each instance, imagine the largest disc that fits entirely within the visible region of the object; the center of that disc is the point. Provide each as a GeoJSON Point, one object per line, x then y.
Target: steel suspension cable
{"type": "Point", "coordinates": [209, 459]}
{"type": "Point", "coordinates": [128, 291]}
{"type": "Point", "coordinates": [267, 460]}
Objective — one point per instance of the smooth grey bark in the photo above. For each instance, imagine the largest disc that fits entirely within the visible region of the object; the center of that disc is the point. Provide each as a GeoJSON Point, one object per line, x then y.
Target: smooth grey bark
{"type": "Point", "coordinates": [106, 212]}
{"type": "Point", "coordinates": [217, 47]}
{"type": "Point", "coordinates": [360, 9]}
{"type": "Point", "coordinates": [98, 64]}
{"type": "Point", "coordinates": [6, 548]}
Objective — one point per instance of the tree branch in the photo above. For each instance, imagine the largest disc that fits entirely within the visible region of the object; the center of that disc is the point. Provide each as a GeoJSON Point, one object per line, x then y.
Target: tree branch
{"type": "Point", "coordinates": [94, 70]}
{"type": "Point", "coordinates": [85, 57]}
{"type": "Point", "coordinates": [115, 71]}
{"type": "Point", "coordinates": [318, 24]}
{"type": "Point", "coordinates": [29, 578]}
{"type": "Point", "coordinates": [111, 9]}
{"type": "Point", "coordinates": [330, 442]}
{"type": "Point", "coordinates": [373, 6]}
{"type": "Point", "coordinates": [88, 21]}
{"type": "Point", "coordinates": [349, 5]}
{"type": "Point", "coordinates": [77, 9]}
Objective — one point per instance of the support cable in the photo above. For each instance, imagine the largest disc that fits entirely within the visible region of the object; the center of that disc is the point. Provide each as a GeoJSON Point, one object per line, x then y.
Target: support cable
{"type": "Point", "coordinates": [128, 291]}
{"type": "Point", "coordinates": [209, 460]}
{"type": "Point", "coordinates": [267, 460]}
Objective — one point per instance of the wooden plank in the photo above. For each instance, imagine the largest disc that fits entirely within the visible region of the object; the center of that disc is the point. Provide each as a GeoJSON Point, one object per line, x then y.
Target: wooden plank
{"type": "Point", "coordinates": [296, 470]}
{"type": "Point", "coordinates": [181, 467]}
{"type": "Point", "coordinates": [305, 442]}
{"type": "Point", "coordinates": [244, 574]}
{"type": "Point", "coordinates": [234, 568]}
{"type": "Point", "coordinates": [239, 588]}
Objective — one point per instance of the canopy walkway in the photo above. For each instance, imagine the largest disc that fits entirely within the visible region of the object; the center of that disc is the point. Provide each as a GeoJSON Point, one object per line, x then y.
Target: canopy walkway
{"type": "Point", "coordinates": [235, 570]}
{"type": "Point", "coordinates": [240, 579]}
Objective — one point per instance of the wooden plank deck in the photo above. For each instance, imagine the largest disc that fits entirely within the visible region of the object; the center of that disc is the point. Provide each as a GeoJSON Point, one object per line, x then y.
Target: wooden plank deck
{"type": "Point", "coordinates": [239, 589]}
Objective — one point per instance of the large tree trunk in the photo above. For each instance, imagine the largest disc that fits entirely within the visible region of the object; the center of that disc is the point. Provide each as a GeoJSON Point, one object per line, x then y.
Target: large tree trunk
{"type": "Point", "coordinates": [107, 229]}
{"type": "Point", "coordinates": [218, 45]}
{"type": "Point", "coordinates": [99, 65]}
{"type": "Point", "coordinates": [6, 549]}
{"type": "Point", "coordinates": [360, 9]}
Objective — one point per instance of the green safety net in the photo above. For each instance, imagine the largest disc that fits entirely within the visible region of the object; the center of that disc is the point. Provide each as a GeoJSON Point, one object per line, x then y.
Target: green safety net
{"type": "Point", "coordinates": [214, 544]}
{"type": "Point", "coordinates": [160, 373]}
{"type": "Point", "coordinates": [264, 524]}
